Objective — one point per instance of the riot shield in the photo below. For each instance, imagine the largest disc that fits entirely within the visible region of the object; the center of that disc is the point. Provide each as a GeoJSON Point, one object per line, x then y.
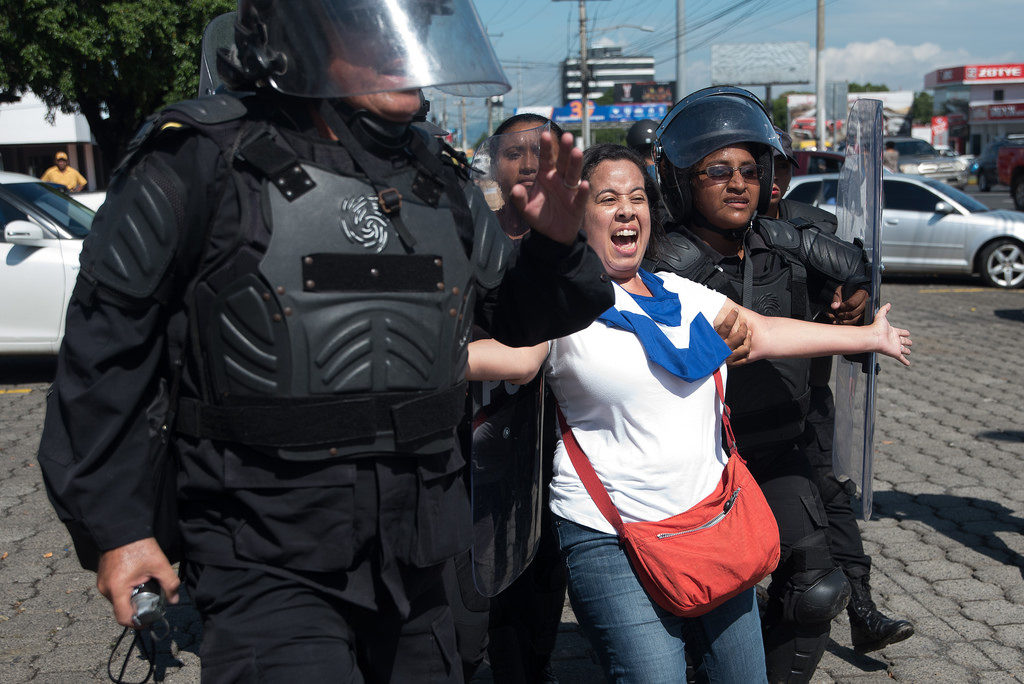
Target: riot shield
{"type": "Point", "coordinates": [500, 162]}
{"type": "Point", "coordinates": [506, 471]}
{"type": "Point", "coordinates": [859, 213]}
{"type": "Point", "coordinates": [219, 33]}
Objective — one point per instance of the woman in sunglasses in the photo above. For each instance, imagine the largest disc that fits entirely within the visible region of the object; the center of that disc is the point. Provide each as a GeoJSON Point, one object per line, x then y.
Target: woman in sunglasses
{"type": "Point", "coordinates": [716, 168]}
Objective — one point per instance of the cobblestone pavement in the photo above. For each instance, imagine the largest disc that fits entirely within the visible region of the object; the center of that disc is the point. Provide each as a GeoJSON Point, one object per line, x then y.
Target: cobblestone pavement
{"type": "Point", "coordinates": [946, 536]}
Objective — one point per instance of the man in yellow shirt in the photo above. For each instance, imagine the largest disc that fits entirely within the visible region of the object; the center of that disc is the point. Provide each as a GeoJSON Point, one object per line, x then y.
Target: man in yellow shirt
{"type": "Point", "coordinates": [65, 175]}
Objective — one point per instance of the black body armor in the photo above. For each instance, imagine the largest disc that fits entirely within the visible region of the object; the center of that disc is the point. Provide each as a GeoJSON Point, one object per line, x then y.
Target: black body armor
{"type": "Point", "coordinates": [770, 398]}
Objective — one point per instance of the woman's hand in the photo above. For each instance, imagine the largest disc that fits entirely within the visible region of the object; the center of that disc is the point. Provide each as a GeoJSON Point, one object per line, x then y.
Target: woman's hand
{"type": "Point", "coordinates": [555, 203]}
{"type": "Point", "coordinates": [894, 342]}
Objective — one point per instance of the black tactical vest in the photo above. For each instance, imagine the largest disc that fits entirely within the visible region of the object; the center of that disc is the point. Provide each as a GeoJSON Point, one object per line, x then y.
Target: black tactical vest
{"type": "Point", "coordinates": [328, 331]}
{"type": "Point", "coordinates": [768, 399]}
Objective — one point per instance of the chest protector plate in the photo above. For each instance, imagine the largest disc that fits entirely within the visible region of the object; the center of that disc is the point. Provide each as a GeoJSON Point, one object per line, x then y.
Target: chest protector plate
{"type": "Point", "coordinates": [338, 307]}
{"type": "Point", "coordinates": [769, 399]}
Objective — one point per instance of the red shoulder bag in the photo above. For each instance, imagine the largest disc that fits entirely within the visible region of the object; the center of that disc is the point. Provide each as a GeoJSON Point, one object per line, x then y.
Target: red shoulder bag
{"type": "Point", "coordinates": [695, 561]}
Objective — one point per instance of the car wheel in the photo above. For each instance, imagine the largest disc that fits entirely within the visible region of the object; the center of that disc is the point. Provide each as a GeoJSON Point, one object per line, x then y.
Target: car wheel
{"type": "Point", "coordinates": [1017, 191]}
{"type": "Point", "coordinates": [1002, 264]}
{"type": "Point", "coordinates": [983, 185]}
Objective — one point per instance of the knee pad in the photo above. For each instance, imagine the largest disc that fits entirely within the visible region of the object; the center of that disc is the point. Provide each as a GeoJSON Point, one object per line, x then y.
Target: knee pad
{"type": "Point", "coordinates": [823, 600]}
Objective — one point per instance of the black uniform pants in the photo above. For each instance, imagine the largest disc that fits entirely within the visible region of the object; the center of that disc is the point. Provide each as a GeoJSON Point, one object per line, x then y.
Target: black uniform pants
{"type": "Point", "coordinates": [843, 534]}
{"type": "Point", "coordinates": [792, 649]}
{"type": "Point", "coordinates": [259, 627]}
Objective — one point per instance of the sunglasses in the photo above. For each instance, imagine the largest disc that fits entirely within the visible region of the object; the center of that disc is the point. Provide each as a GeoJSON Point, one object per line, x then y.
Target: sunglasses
{"type": "Point", "coordinates": [722, 173]}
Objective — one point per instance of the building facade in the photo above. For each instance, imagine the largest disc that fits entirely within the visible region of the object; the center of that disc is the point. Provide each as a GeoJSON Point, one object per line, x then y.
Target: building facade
{"type": "Point", "coordinates": [29, 139]}
{"type": "Point", "coordinates": [976, 103]}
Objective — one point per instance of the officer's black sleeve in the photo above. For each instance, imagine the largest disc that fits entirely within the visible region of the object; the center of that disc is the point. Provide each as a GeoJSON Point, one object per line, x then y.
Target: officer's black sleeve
{"type": "Point", "coordinates": [547, 289]}
{"type": "Point", "coordinates": [97, 438]}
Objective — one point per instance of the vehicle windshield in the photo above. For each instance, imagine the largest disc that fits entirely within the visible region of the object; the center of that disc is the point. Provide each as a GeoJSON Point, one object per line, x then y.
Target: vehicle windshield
{"type": "Point", "coordinates": [966, 201]}
{"type": "Point", "coordinates": [914, 147]}
{"type": "Point", "coordinates": [75, 217]}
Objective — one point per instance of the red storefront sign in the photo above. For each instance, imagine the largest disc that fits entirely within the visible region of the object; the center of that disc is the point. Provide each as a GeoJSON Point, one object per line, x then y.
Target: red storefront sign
{"type": "Point", "coordinates": [976, 73]}
{"type": "Point", "coordinates": [1000, 111]}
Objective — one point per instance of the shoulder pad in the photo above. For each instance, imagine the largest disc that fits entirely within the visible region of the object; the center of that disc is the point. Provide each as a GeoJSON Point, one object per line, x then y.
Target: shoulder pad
{"type": "Point", "coordinates": [207, 110]}
{"type": "Point", "coordinates": [678, 254]}
{"type": "Point", "coordinates": [778, 233]}
{"type": "Point", "coordinates": [135, 234]}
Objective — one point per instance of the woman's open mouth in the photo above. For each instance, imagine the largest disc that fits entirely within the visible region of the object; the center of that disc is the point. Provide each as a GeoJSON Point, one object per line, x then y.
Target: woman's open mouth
{"type": "Point", "coordinates": [625, 240]}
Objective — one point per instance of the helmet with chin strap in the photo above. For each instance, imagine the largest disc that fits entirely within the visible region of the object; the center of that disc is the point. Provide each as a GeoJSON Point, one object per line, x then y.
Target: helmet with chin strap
{"type": "Point", "coordinates": [705, 121]}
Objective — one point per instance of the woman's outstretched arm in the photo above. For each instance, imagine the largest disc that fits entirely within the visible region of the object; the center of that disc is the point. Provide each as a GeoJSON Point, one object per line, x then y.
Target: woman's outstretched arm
{"type": "Point", "coordinates": [777, 337]}
{"type": "Point", "coordinates": [492, 360]}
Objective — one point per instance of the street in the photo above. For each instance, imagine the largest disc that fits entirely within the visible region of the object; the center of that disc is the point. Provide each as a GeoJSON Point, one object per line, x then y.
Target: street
{"type": "Point", "coordinates": [946, 535]}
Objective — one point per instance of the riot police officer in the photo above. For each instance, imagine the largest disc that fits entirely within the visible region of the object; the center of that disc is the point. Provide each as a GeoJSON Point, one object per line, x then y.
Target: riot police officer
{"type": "Point", "coordinates": [870, 628]}
{"type": "Point", "coordinates": [715, 150]}
{"type": "Point", "coordinates": [281, 287]}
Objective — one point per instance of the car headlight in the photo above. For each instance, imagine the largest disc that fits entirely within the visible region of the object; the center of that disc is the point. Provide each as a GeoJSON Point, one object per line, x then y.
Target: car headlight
{"type": "Point", "coordinates": [927, 167]}
{"type": "Point", "coordinates": [909, 168]}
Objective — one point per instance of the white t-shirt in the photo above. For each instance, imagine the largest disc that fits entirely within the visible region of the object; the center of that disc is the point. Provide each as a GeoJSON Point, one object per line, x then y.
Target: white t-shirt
{"type": "Point", "coordinates": [653, 439]}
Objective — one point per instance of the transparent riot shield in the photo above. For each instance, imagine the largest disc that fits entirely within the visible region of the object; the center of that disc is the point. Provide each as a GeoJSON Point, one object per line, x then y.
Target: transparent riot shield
{"type": "Point", "coordinates": [500, 162]}
{"type": "Point", "coordinates": [505, 467]}
{"type": "Point", "coordinates": [859, 213]}
{"type": "Point", "coordinates": [219, 33]}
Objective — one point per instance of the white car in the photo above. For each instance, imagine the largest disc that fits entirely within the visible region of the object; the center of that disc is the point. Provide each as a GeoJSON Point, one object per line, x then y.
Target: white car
{"type": "Point", "coordinates": [930, 227]}
{"type": "Point", "coordinates": [43, 231]}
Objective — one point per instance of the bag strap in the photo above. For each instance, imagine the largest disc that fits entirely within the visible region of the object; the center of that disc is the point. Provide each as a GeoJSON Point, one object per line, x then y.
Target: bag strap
{"type": "Point", "coordinates": [589, 477]}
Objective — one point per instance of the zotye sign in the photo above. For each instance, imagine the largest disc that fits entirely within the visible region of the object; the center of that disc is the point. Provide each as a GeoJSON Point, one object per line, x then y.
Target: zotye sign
{"type": "Point", "coordinates": [982, 72]}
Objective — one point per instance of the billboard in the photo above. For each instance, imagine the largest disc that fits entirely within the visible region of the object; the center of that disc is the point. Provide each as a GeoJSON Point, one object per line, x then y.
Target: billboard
{"type": "Point", "coordinates": [624, 113]}
{"type": "Point", "coordinates": [644, 93]}
{"type": "Point", "coordinates": [760, 63]}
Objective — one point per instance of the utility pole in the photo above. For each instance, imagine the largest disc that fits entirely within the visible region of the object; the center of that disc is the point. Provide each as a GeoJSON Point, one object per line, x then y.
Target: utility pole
{"type": "Point", "coordinates": [519, 83]}
{"type": "Point", "coordinates": [584, 75]}
{"type": "Point", "coordinates": [819, 76]}
{"type": "Point", "coordinates": [680, 50]}
{"type": "Point", "coordinates": [462, 130]}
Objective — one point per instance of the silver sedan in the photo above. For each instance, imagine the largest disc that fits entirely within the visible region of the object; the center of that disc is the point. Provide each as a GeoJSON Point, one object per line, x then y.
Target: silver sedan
{"type": "Point", "coordinates": [930, 227]}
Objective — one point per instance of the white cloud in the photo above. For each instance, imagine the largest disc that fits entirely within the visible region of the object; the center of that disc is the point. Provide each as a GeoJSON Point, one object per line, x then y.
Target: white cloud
{"type": "Point", "coordinates": [901, 67]}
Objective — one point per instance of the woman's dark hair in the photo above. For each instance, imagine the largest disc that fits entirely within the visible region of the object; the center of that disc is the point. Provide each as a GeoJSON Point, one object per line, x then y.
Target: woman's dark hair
{"type": "Point", "coordinates": [527, 118]}
{"type": "Point", "coordinates": [602, 152]}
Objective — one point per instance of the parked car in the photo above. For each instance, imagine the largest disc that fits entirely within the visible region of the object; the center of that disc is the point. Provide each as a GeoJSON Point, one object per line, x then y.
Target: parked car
{"type": "Point", "coordinates": [984, 167]}
{"type": "Point", "coordinates": [1010, 171]}
{"type": "Point", "coordinates": [43, 229]}
{"type": "Point", "coordinates": [920, 158]}
{"type": "Point", "coordinates": [930, 227]}
{"type": "Point", "coordinates": [814, 161]}
{"type": "Point", "coordinates": [93, 200]}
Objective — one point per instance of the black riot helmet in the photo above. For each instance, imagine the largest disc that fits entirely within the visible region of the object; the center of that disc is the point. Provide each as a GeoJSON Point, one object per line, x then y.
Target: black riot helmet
{"type": "Point", "coordinates": [640, 137]}
{"type": "Point", "coordinates": [343, 48]}
{"type": "Point", "coordinates": [705, 121]}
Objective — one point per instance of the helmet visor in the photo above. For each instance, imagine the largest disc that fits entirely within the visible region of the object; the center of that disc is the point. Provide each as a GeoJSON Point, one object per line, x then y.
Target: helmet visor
{"type": "Point", "coordinates": [341, 48]}
{"type": "Point", "coordinates": [502, 161]}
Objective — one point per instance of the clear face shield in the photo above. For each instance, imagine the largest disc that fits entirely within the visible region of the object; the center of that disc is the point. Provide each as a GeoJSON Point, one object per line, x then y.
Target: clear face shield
{"type": "Point", "coordinates": [344, 48]}
{"type": "Point", "coordinates": [502, 161]}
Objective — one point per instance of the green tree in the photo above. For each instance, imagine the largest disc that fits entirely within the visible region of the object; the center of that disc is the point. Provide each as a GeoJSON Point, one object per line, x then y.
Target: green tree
{"type": "Point", "coordinates": [923, 107]}
{"type": "Point", "coordinates": [115, 61]}
{"type": "Point", "coordinates": [867, 88]}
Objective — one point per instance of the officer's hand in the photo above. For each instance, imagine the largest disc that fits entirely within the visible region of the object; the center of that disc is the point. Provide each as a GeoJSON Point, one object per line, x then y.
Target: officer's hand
{"type": "Point", "coordinates": [126, 567]}
{"type": "Point", "coordinates": [735, 334]}
{"type": "Point", "coordinates": [554, 204]}
{"type": "Point", "coordinates": [850, 311]}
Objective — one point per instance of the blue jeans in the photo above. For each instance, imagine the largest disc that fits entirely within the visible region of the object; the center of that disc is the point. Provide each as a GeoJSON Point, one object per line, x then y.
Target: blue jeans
{"type": "Point", "coordinates": [636, 639]}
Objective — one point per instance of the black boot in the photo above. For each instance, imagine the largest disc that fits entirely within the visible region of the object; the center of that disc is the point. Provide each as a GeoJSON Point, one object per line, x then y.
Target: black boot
{"type": "Point", "coordinates": [870, 630]}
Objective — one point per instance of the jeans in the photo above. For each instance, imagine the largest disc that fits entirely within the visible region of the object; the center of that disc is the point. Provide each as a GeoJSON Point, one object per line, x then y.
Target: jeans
{"type": "Point", "coordinates": [637, 640]}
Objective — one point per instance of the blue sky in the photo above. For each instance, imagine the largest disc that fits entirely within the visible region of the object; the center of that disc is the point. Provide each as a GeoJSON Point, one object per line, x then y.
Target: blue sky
{"type": "Point", "coordinates": [895, 42]}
